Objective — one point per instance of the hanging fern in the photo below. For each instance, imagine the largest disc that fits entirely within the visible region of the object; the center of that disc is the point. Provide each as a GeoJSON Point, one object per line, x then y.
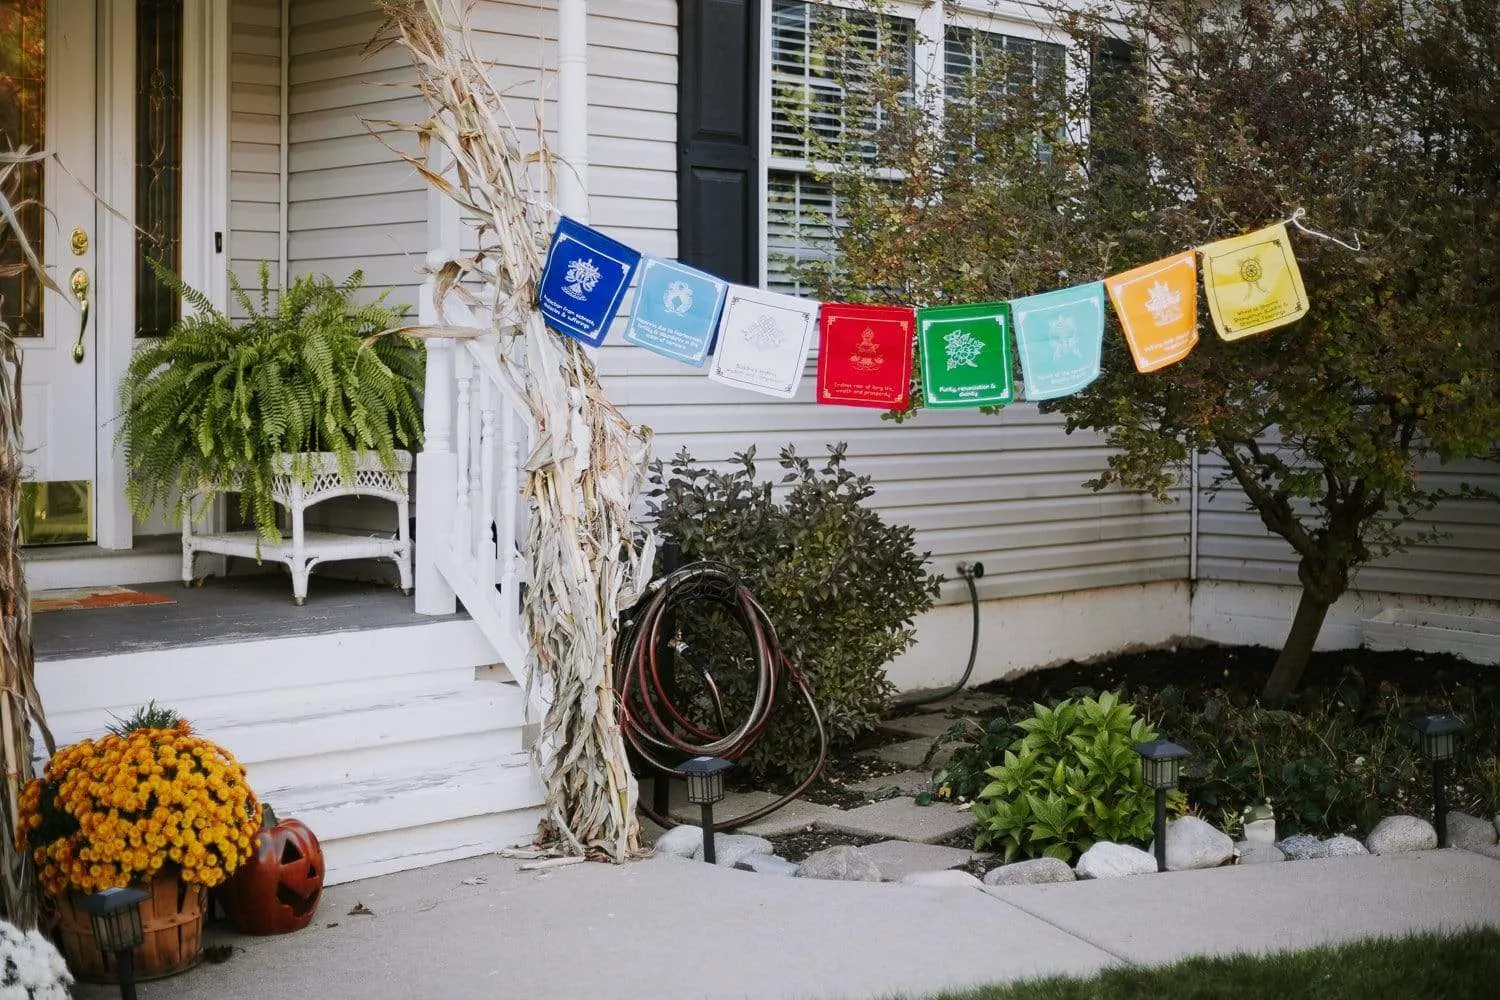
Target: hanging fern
{"type": "Point", "coordinates": [214, 403]}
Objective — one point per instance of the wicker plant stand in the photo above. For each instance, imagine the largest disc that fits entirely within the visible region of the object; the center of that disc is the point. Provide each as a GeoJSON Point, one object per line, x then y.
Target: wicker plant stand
{"type": "Point", "coordinates": [173, 921]}
{"type": "Point", "coordinates": [301, 549]}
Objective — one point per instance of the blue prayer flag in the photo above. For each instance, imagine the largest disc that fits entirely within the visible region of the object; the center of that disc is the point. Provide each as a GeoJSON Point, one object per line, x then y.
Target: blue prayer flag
{"type": "Point", "coordinates": [584, 281]}
{"type": "Point", "coordinates": [676, 311]}
{"type": "Point", "coordinates": [1060, 336]}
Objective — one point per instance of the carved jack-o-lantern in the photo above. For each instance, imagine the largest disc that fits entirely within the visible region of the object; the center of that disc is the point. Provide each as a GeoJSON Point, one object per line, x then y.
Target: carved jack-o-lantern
{"type": "Point", "coordinates": [278, 888]}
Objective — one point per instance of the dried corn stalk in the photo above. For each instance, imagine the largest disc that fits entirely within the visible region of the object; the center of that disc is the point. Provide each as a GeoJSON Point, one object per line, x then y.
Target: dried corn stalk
{"type": "Point", "coordinates": [582, 479]}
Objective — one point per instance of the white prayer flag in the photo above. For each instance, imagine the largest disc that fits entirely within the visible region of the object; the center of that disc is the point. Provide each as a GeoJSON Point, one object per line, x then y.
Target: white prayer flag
{"type": "Point", "coordinates": [763, 341]}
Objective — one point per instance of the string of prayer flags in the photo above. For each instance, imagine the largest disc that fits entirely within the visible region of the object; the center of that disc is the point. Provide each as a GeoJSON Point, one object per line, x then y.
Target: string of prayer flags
{"type": "Point", "coordinates": [1253, 283]}
{"type": "Point", "coordinates": [864, 355]}
{"type": "Point", "coordinates": [676, 311]}
{"type": "Point", "coordinates": [1158, 308]}
{"type": "Point", "coordinates": [965, 353]}
{"type": "Point", "coordinates": [1060, 337]}
{"type": "Point", "coordinates": [584, 281]}
{"type": "Point", "coordinates": [764, 338]}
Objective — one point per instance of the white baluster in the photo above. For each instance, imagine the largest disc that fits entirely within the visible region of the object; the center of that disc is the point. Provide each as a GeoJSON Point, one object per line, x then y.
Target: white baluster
{"type": "Point", "coordinates": [510, 495]}
{"type": "Point", "coordinates": [463, 533]}
{"type": "Point", "coordinates": [489, 532]}
{"type": "Point", "coordinates": [436, 466]}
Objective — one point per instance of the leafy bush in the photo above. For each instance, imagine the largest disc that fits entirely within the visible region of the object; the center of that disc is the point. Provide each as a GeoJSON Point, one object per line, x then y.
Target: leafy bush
{"type": "Point", "coordinates": [215, 403]}
{"type": "Point", "coordinates": [1072, 779]}
{"type": "Point", "coordinates": [841, 585]}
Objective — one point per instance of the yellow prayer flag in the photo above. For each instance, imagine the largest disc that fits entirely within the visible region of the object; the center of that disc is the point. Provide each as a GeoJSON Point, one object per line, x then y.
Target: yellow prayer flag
{"type": "Point", "coordinates": [1158, 308]}
{"type": "Point", "coordinates": [1252, 282]}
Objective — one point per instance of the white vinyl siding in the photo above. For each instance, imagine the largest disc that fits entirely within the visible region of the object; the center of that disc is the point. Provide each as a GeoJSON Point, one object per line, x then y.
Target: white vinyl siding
{"type": "Point", "coordinates": [254, 139]}
{"type": "Point", "coordinates": [1234, 546]}
{"type": "Point", "coordinates": [352, 202]}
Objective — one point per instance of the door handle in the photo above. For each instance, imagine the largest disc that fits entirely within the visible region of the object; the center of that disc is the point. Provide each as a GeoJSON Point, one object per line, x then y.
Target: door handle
{"type": "Point", "coordinates": [78, 281]}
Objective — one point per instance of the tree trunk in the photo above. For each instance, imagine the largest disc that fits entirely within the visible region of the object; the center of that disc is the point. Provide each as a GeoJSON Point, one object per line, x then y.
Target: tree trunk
{"type": "Point", "coordinates": [1287, 673]}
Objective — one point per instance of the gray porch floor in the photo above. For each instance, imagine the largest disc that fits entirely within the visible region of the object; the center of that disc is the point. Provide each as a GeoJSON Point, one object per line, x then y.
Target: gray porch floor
{"type": "Point", "coordinates": [223, 610]}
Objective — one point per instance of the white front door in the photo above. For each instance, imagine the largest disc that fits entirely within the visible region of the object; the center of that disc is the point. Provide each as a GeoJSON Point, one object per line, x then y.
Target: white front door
{"type": "Point", "coordinates": [47, 102]}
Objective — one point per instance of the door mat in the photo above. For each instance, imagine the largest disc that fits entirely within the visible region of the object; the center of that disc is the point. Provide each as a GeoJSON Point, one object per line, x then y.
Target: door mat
{"type": "Point", "coordinates": [88, 598]}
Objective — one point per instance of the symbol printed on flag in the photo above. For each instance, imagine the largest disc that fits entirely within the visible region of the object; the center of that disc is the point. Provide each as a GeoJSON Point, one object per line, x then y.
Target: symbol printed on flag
{"type": "Point", "coordinates": [1164, 305]}
{"type": "Point", "coordinates": [678, 298]}
{"type": "Point", "coordinates": [581, 277]}
{"type": "Point", "coordinates": [1064, 331]}
{"type": "Point", "coordinates": [867, 356]}
{"type": "Point", "coordinates": [1251, 272]}
{"type": "Point", "coordinates": [764, 334]}
{"type": "Point", "coordinates": [963, 349]}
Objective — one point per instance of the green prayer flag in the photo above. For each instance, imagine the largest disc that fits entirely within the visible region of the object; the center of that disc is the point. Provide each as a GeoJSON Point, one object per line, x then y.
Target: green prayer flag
{"type": "Point", "coordinates": [965, 354]}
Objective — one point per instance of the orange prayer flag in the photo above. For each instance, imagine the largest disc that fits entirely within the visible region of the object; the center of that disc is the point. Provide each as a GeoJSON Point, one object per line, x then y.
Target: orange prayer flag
{"type": "Point", "coordinates": [1158, 308]}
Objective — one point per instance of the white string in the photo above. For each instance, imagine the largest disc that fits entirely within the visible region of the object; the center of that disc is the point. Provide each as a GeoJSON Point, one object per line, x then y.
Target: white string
{"type": "Point", "coordinates": [1301, 213]}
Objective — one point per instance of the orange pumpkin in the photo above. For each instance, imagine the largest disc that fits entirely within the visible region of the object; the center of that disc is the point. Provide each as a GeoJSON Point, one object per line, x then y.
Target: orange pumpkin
{"type": "Point", "coordinates": [278, 888]}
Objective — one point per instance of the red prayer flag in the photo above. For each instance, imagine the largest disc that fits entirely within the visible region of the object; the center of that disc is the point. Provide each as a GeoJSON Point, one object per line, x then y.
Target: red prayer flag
{"type": "Point", "coordinates": [864, 355]}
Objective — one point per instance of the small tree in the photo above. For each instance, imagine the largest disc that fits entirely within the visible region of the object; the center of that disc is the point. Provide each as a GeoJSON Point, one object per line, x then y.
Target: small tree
{"type": "Point", "coordinates": [1380, 117]}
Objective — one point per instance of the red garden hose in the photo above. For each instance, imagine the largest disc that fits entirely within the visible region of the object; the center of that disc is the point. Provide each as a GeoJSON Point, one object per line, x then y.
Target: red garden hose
{"type": "Point", "coordinates": [659, 730]}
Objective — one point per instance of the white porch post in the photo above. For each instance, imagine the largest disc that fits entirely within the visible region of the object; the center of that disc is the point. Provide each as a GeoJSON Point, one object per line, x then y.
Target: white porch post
{"type": "Point", "coordinates": [437, 464]}
{"type": "Point", "coordinates": [573, 108]}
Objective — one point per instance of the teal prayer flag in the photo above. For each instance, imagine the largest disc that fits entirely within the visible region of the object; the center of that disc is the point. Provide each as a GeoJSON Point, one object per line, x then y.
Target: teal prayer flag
{"type": "Point", "coordinates": [965, 354]}
{"type": "Point", "coordinates": [1060, 337]}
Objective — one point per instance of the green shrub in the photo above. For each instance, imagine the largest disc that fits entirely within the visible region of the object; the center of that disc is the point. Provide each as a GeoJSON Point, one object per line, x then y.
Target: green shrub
{"type": "Point", "coordinates": [1072, 779]}
{"type": "Point", "coordinates": [841, 585]}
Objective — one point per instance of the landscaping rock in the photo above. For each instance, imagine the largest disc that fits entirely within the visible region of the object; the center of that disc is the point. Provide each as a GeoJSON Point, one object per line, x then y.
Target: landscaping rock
{"type": "Point", "coordinates": [950, 879]}
{"type": "Point", "coordinates": [1344, 847]}
{"type": "Point", "coordinates": [1253, 852]}
{"type": "Point", "coordinates": [1469, 832]}
{"type": "Point", "coordinates": [1399, 834]}
{"type": "Point", "coordinates": [1302, 847]}
{"type": "Point", "coordinates": [842, 864]}
{"type": "Point", "coordinates": [1036, 871]}
{"type": "Point", "coordinates": [681, 841]}
{"type": "Point", "coordinates": [732, 848]}
{"type": "Point", "coordinates": [1107, 860]}
{"type": "Point", "coordinates": [1192, 843]}
{"type": "Point", "coordinates": [767, 864]}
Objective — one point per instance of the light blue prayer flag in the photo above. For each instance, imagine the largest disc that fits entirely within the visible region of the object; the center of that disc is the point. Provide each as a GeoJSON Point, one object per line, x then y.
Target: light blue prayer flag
{"type": "Point", "coordinates": [1060, 336]}
{"type": "Point", "coordinates": [584, 281]}
{"type": "Point", "coordinates": [676, 311]}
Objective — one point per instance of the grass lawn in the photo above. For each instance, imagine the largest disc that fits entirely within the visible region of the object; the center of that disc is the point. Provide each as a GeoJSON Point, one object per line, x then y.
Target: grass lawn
{"type": "Point", "coordinates": [1425, 966]}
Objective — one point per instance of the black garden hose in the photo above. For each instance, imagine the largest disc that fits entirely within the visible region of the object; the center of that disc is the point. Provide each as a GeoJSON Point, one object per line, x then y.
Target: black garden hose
{"type": "Point", "coordinates": [970, 573]}
{"type": "Point", "coordinates": [656, 728]}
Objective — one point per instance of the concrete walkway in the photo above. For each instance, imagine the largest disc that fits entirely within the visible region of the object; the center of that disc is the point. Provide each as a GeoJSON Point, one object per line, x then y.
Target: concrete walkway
{"type": "Point", "coordinates": [667, 929]}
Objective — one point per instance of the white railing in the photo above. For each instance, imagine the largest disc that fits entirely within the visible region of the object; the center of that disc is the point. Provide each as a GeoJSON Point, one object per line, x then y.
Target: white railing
{"type": "Point", "coordinates": [470, 521]}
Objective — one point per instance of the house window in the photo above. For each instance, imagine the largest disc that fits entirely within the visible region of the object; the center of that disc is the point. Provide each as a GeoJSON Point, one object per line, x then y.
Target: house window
{"type": "Point", "coordinates": [817, 51]}
{"type": "Point", "coordinates": [158, 161]}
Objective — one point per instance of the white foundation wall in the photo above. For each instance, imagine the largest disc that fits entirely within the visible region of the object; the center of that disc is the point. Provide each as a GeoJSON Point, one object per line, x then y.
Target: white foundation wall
{"type": "Point", "coordinates": [1020, 634]}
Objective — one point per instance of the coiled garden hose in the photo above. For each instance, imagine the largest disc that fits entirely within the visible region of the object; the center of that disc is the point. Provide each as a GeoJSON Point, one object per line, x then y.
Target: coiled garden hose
{"type": "Point", "coordinates": [970, 572]}
{"type": "Point", "coordinates": [654, 726]}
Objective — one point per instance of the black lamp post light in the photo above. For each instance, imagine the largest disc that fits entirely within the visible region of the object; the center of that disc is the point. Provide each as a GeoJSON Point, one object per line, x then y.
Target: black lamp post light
{"type": "Point", "coordinates": [116, 914]}
{"type": "Point", "coordinates": [705, 786]}
{"type": "Point", "coordinates": [1161, 765]}
{"type": "Point", "coordinates": [1439, 734]}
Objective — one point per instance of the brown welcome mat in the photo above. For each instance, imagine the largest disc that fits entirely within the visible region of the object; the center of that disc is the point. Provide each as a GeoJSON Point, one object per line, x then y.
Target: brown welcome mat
{"type": "Point", "coordinates": [88, 598]}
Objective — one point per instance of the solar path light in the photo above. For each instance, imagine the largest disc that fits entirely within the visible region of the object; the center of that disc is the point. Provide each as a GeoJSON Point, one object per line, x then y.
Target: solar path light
{"type": "Point", "coordinates": [1439, 734]}
{"type": "Point", "coordinates": [1161, 764]}
{"type": "Point", "coordinates": [705, 786]}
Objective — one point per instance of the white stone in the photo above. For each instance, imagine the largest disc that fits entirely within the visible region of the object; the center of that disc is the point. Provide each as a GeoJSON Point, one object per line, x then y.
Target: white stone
{"type": "Point", "coordinates": [1302, 847]}
{"type": "Point", "coordinates": [1192, 843]}
{"type": "Point", "coordinates": [1261, 831]}
{"type": "Point", "coordinates": [732, 848]}
{"type": "Point", "coordinates": [1253, 852]}
{"type": "Point", "coordinates": [1107, 860]}
{"type": "Point", "coordinates": [842, 863]}
{"type": "Point", "coordinates": [1344, 847]}
{"type": "Point", "coordinates": [767, 864]}
{"type": "Point", "coordinates": [1469, 832]}
{"type": "Point", "coordinates": [1034, 871]}
{"type": "Point", "coordinates": [682, 841]}
{"type": "Point", "coordinates": [1398, 834]}
{"type": "Point", "coordinates": [949, 879]}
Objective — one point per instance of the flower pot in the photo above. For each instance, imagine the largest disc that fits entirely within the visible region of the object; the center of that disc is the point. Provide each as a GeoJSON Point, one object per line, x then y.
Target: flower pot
{"type": "Point", "coordinates": [173, 941]}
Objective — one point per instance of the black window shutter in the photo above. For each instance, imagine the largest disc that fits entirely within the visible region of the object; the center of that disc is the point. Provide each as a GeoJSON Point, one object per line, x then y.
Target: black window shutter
{"type": "Point", "coordinates": [718, 140]}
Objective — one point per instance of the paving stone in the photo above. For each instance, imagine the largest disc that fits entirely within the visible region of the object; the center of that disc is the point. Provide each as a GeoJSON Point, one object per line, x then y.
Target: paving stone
{"type": "Point", "coordinates": [963, 703]}
{"type": "Point", "coordinates": [902, 819]}
{"type": "Point", "coordinates": [907, 782]}
{"type": "Point", "coordinates": [912, 753]}
{"type": "Point", "coordinates": [898, 858]}
{"type": "Point", "coordinates": [734, 804]}
{"type": "Point", "coordinates": [793, 817]}
{"type": "Point", "coordinates": [922, 724]}
{"type": "Point", "coordinates": [946, 879]}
